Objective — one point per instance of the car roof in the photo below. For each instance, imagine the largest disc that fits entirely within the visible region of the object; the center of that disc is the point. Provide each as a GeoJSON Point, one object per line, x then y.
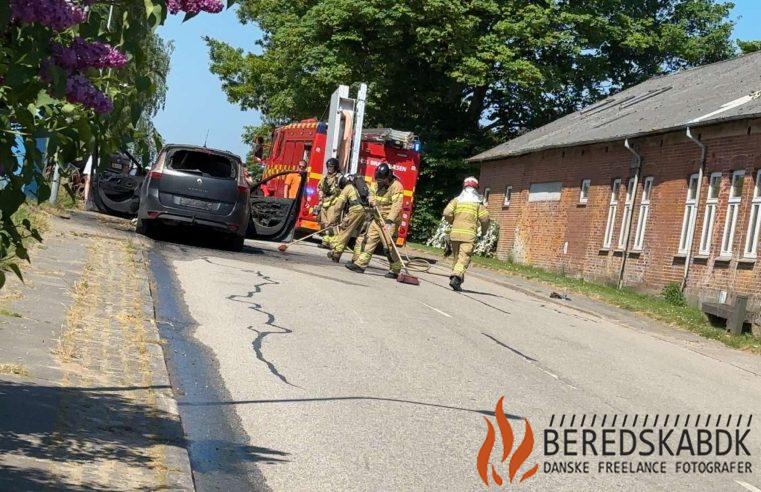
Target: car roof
{"type": "Point", "coordinates": [198, 148]}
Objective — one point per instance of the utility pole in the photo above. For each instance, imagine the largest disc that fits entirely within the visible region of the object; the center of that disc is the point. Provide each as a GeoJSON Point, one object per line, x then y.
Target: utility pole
{"type": "Point", "coordinates": [55, 184]}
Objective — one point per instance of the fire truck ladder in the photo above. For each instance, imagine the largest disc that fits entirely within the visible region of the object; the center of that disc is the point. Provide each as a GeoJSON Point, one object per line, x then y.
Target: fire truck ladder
{"type": "Point", "coordinates": [345, 118]}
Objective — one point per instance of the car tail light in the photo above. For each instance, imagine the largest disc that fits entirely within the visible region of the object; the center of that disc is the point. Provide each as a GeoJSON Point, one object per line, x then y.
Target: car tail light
{"type": "Point", "coordinates": [233, 227]}
{"type": "Point", "coordinates": [158, 168]}
{"type": "Point", "coordinates": [152, 214]}
{"type": "Point", "coordinates": [242, 184]}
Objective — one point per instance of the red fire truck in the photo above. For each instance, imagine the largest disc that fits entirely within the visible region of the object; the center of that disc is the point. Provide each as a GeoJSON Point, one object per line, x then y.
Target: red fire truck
{"type": "Point", "coordinates": [316, 142]}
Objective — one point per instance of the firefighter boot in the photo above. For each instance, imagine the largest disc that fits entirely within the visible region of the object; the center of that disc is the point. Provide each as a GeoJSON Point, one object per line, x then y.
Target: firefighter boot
{"type": "Point", "coordinates": [335, 257]}
{"type": "Point", "coordinates": [393, 275]}
{"type": "Point", "coordinates": [355, 268]}
{"type": "Point", "coordinates": [455, 282]}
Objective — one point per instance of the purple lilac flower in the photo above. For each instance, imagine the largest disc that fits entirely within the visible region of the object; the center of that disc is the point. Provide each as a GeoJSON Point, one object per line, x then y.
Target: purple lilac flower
{"type": "Point", "coordinates": [81, 54]}
{"type": "Point", "coordinates": [80, 90]}
{"type": "Point", "coordinates": [195, 6]}
{"type": "Point", "coordinates": [55, 14]}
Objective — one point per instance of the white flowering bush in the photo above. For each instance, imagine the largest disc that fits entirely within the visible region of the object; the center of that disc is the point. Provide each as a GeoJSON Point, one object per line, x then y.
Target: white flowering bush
{"type": "Point", "coordinates": [439, 238]}
{"type": "Point", "coordinates": [486, 242]}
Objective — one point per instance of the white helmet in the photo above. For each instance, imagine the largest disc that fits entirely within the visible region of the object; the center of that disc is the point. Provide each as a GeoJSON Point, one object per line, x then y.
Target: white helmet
{"type": "Point", "coordinates": [471, 182]}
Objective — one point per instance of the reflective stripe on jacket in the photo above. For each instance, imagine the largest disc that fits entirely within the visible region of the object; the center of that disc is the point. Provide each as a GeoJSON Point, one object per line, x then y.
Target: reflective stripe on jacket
{"type": "Point", "coordinates": [389, 200]}
{"type": "Point", "coordinates": [349, 195]}
{"type": "Point", "coordinates": [464, 218]}
{"type": "Point", "coordinates": [329, 187]}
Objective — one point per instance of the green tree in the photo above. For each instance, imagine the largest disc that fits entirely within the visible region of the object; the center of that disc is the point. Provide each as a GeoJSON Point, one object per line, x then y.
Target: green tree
{"type": "Point", "coordinates": [463, 74]}
{"type": "Point", "coordinates": [749, 46]}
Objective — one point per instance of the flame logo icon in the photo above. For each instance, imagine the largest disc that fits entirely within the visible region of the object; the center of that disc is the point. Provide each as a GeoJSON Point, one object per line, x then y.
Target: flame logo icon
{"type": "Point", "coordinates": [522, 452]}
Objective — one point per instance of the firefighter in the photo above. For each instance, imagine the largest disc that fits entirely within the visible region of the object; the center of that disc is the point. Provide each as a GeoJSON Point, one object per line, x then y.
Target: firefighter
{"type": "Point", "coordinates": [464, 213]}
{"type": "Point", "coordinates": [386, 193]}
{"type": "Point", "coordinates": [328, 191]}
{"type": "Point", "coordinates": [353, 218]}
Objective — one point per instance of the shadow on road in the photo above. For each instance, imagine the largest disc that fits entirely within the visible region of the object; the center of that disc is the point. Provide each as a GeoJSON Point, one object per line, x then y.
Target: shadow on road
{"type": "Point", "coordinates": [77, 426]}
{"type": "Point", "coordinates": [346, 398]}
{"type": "Point", "coordinates": [239, 452]}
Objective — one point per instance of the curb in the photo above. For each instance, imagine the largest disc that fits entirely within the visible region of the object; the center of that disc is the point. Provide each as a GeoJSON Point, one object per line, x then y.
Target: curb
{"type": "Point", "coordinates": [179, 473]}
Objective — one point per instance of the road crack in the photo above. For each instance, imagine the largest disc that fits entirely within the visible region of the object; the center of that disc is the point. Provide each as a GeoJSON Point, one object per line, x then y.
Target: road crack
{"type": "Point", "coordinates": [271, 321]}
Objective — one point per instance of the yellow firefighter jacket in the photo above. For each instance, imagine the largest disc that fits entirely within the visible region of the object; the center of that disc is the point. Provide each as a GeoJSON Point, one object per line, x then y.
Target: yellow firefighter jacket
{"type": "Point", "coordinates": [389, 200]}
{"type": "Point", "coordinates": [328, 185]}
{"type": "Point", "coordinates": [349, 196]}
{"type": "Point", "coordinates": [464, 218]}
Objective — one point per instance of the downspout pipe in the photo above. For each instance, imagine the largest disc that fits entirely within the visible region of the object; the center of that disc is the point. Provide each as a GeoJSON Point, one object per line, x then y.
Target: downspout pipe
{"type": "Point", "coordinates": [691, 233]}
{"type": "Point", "coordinates": [638, 166]}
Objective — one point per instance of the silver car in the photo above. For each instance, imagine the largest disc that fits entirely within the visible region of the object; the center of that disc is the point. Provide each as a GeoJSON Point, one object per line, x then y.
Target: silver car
{"type": "Point", "coordinates": [196, 186]}
{"type": "Point", "coordinates": [206, 188]}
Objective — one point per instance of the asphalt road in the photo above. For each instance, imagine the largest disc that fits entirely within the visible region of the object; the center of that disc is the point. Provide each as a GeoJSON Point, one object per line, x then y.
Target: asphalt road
{"type": "Point", "coordinates": [323, 379]}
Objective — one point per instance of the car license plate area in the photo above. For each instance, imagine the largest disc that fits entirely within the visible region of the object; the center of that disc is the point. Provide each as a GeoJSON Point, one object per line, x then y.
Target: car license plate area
{"type": "Point", "coordinates": [195, 203]}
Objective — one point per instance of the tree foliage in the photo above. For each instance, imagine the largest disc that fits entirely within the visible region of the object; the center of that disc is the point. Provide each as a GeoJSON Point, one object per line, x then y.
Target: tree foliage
{"type": "Point", "coordinates": [749, 46]}
{"type": "Point", "coordinates": [462, 74]}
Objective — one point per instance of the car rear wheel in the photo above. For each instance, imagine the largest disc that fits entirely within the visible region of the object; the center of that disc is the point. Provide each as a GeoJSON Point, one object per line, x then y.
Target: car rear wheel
{"type": "Point", "coordinates": [146, 228]}
{"type": "Point", "coordinates": [234, 242]}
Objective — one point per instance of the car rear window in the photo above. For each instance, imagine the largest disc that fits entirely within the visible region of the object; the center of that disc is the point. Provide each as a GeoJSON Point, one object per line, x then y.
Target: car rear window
{"type": "Point", "coordinates": [203, 163]}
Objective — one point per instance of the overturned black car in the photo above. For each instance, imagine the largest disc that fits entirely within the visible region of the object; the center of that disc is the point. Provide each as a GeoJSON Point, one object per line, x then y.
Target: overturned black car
{"type": "Point", "coordinates": [116, 187]}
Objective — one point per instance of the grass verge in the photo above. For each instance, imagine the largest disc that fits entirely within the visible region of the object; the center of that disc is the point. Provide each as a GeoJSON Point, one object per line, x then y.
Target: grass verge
{"type": "Point", "coordinates": [687, 317]}
{"type": "Point", "coordinates": [13, 369]}
{"type": "Point", "coordinates": [10, 314]}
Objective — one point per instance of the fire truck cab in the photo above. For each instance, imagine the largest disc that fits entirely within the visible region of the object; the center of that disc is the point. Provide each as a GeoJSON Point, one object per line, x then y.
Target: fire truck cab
{"type": "Point", "coordinates": [315, 142]}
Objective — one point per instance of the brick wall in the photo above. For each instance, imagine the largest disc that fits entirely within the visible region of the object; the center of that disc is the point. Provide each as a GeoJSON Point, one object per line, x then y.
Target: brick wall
{"type": "Point", "coordinates": [567, 235]}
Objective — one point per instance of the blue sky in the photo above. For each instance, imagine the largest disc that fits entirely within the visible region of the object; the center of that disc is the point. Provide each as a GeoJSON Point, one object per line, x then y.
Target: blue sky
{"type": "Point", "coordinates": [195, 102]}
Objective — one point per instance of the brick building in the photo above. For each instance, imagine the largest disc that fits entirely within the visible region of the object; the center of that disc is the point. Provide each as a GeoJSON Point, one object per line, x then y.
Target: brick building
{"type": "Point", "coordinates": [659, 183]}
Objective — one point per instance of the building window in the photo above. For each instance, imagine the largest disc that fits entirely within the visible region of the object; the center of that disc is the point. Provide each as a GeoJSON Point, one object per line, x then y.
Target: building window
{"type": "Point", "coordinates": [545, 192]}
{"type": "Point", "coordinates": [644, 213]}
{"type": "Point", "coordinates": [487, 192]}
{"type": "Point", "coordinates": [712, 201]}
{"type": "Point", "coordinates": [508, 196]}
{"type": "Point", "coordinates": [690, 210]}
{"type": "Point", "coordinates": [584, 192]}
{"type": "Point", "coordinates": [733, 210]}
{"type": "Point", "coordinates": [612, 209]}
{"type": "Point", "coordinates": [627, 217]}
{"type": "Point", "coordinates": [754, 224]}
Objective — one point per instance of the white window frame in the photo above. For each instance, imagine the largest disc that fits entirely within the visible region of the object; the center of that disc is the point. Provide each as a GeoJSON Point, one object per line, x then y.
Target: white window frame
{"type": "Point", "coordinates": [644, 214]}
{"type": "Point", "coordinates": [626, 218]}
{"type": "Point", "coordinates": [487, 192]}
{"type": "Point", "coordinates": [508, 196]}
{"type": "Point", "coordinates": [733, 212]}
{"type": "Point", "coordinates": [615, 189]}
{"type": "Point", "coordinates": [586, 184]}
{"type": "Point", "coordinates": [754, 221]}
{"type": "Point", "coordinates": [709, 216]}
{"type": "Point", "coordinates": [690, 212]}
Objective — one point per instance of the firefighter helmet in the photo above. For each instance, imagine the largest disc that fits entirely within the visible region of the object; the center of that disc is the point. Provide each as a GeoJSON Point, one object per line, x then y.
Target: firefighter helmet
{"type": "Point", "coordinates": [470, 182]}
{"type": "Point", "coordinates": [383, 171]}
{"type": "Point", "coordinates": [332, 163]}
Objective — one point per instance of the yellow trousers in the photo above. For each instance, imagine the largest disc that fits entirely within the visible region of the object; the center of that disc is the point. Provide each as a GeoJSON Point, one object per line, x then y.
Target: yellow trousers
{"type": "Point", "coordinates": [366, 244]}
{"type": "Point", "coordinates": [351, 222]}
{"type": "Point", "coordinates": [461, 253]}
{"type": "Point", "coordinates": [329, 215]}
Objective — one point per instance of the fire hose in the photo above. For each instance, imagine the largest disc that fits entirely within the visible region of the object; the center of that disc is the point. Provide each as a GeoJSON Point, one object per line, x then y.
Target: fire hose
{"type": "Point", "coordinates": [414, 263]}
